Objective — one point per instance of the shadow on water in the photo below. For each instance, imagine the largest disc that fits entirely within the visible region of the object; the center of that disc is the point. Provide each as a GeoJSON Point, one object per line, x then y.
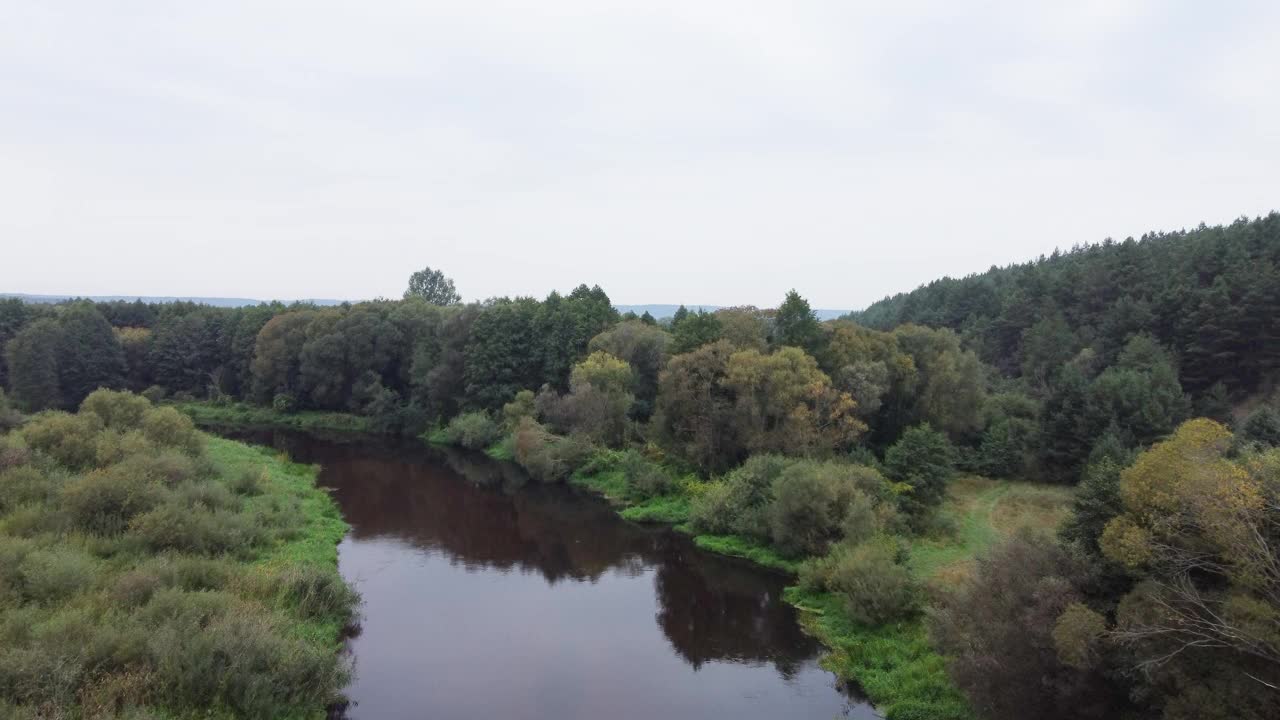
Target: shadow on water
{"type": "Point", "coordinates": [488, 595]}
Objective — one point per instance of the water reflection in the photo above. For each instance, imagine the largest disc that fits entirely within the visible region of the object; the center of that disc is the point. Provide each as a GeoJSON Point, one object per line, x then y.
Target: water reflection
{"type": "Point", "coordinates": [489, 595]}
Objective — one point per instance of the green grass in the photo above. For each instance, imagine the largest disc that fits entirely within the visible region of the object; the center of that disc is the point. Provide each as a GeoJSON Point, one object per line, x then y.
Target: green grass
{"type": "Point", "coordinates": [241, 414]}
{"type": "Point", "coordinates": [228, 561]}
{"type": "Point", "coordinates": [322, 526]}
{"type": "Point", "coordinates": [893, 664]}
{"type": "Point", "coordinates": [501, 451]}
{"type": "Point", "coordinates": [982, 511]}
{"type": "Point", "coordinates": [611, 483]}
{"type": "Point", "coordinates": [741, 547]}
{"type": "Point", "coordinates": [670, 509]}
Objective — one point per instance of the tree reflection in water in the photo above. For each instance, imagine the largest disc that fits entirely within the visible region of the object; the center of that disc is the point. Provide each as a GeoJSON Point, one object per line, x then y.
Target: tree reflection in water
{"type": "Point", "coordinates": [483, 515]}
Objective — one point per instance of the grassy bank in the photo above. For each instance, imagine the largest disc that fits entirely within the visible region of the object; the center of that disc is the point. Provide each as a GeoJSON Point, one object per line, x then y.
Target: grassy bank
{"type": "Point", "coordinates": [894, 663]}
{"type": "Point", "coordinates": [253, 416]}
{"type": "Point", "coordinates": [150, 571]}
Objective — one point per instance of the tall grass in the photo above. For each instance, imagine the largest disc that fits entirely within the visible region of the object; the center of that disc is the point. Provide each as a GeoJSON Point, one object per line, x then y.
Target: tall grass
{"type": "Point", "coordinates": [147, 570]}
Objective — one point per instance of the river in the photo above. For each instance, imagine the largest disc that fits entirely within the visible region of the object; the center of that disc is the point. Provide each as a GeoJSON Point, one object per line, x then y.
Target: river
{"type": "Point", "coordinates": [486, 596]}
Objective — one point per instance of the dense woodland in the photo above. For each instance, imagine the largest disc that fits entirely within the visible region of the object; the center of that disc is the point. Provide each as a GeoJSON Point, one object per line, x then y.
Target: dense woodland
{"type": "Point", "coordinates": [1139, 370]}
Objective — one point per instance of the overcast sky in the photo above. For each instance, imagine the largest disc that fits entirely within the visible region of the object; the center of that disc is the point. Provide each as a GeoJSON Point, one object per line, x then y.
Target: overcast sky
{"type": "Point", "coordinates": [691, 151]}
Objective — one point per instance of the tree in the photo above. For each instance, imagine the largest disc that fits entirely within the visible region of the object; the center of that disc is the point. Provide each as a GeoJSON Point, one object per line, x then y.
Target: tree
{"type": "Point", "coordinates": [796, 325]}
{"type": "Point", "coordinates": [598, 401]}
{"type": "Point", "coordinates": [32, 357]}
{"type": "Point", "coordinates": [997, 631]}
{"type": "Point", "coordinates": [952, 386]}
{"type": "Point", "coordinates": [924, 460]}
{"type": "Point", "coordinates": [692, 330]}
{"type": "Point", "coordinates": [276, 363]}
{"type": "Point", "coordinates": [432, 286]}
{"type": "Point", "coordinates": [89, 355]}
{"type": "Point", "coordinates": [644, 347]}
{"type": "Point", "coordinates": [784, 403]}
{"type": "Point", "coordinates": [694, 410]}
{"type": "Point", "coordinates": [1201, 532]}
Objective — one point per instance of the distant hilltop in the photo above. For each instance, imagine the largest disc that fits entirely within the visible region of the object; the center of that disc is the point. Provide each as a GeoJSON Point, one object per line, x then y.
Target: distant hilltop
{"type": "Point", "coordinates": [211, 301]}
{"type": "Point", "coordinates": [658, 311]}
{"type": "Point", "coordinates": [665, 311]}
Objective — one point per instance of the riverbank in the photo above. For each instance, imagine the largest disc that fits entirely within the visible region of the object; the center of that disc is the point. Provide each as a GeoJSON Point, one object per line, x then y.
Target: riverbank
{"type": "Point", "coordinates": [165, 573]}
{"type": "Point", "coordinates": [251, 416]}
{"type": "Point", "coordinates": [893, 664]}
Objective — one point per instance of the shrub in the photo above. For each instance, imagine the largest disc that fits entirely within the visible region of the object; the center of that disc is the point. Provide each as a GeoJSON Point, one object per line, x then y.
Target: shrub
{"type": "Point", "coordinates": [318, 593]}
{"type": "Point", "coordinates": [117, 410]}
{"type": "Point", "coordinates": [740, 506]}
{"type": "Point", "coordinates": [71, 440]}
{"type": "Point", "coordinates": [1262, 426]}
{"type": "Point", "coordinates": [924, 460]}
{"type": "Point", "coordinates": [104, 501]}
{"type": "Point", "coordinates": [473, 430]}
{"type": "Point", "coordinates": [284, 403]}
{"type": "Point", "coordinates": [9, 417]}
{"type": "Point", "coordinates": [22, 485]}
{"type": "Point", "coordinates": [808, 506]}
{"type": "Point", "coordinates": [545, 456]}
{"type": "Point", "coordinates": [645, 478]}
{"type": "Point", "coordinates": [520, 407]}
{"type": "Point", "coordinates": [877, 588]}
{"type": "Point", "coordinates": [168, 467]}
{"type": "Point", "coordinates": [998, 630]}
{"type": "Point", "coordinates": [167, 427]}
{"type": "Point", "coordinates": [115, 446]}
{"type": "Point", "coordinates": [56, 575]}
{"type": "Point", "coordinates": [243, 661]}
{"type": "Point", "coordinates": [155, 394]}
{"type": "Point", "coordinates": [206, 495]}
{"type": "Point", "coordinates": [250, 482]}
{"type": "Point", "coordinates": [173, 526]}
{"type": "Point", "coordinates": [13, 551]}
{"type": "Point", "coordinates": [13, 452]}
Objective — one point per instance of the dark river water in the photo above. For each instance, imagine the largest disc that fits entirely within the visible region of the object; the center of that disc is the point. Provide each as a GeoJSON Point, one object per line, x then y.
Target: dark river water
{"type": "Point", "coordinates": [489, 597]}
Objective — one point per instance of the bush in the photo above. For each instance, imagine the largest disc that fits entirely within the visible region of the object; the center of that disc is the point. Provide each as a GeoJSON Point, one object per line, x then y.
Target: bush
{"type": "Point", "coordinates": [104, 501]}
{"type": "Point", "coordinates": [243, 661]}
{"type": "Point", "coordinates": [114, 446]}
{"type": "Point", "coordinates": [13, 452]}
{"type": "Point", "coordinates": [117, 410]}
{"type": "Point", "coordinates": [645, 478]}
{"type": "Point", "coordinates": [56, 575]}
{"type": "Point", "coordinates": [545, 456]}
{"type": "Point", "coordinates": [22, 485]}
{"type": "Point", "coordinates": [318, 593]}
{"type": "Point", "coordinates": [167, 427]}
{"type": "Point", "coordinates": [168, 467]}
{"type": "Point", "coordinates": [284, 403]}
{"type": "Point", "coordinates": [9, 417]}
{"type": "Point", "coordinates": [520, 407]}
{"type": "Point", "coordinates": [1262, 427]}
{"type": "Point", "coordinates": [808, 507]}
{"type": "Point", "coordinates": [173, 526]}
{"type": "Point", "coordinates": [997, 631]}
{"type": "Point", "coordinates": [924, 460]}
{"type": "Point", "coordinates": [740, 504]}
{"type": "Point", "coordinates": [876, 586]}
{"type": "Point", "coordinates": [473, 430]}
{"type": "Point", "coordinates": [250, 482]}
{"type": "Point", "coordinates": [155, 394]}
{"type": "Point", "coordinates": [71, 440]}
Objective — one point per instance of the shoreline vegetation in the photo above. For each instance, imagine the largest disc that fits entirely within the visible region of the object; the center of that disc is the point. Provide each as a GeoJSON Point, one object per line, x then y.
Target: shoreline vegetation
{"type": "Point", "coordinates": [893, 663]}
{"type": "Point", "coordinates": [845, 451]}
{"type": "Point", "coordinates": [150, 570]}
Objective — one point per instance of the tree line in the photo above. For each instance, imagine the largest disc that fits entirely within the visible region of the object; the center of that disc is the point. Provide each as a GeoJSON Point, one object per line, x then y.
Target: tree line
{"type": "Point", "coordinates": [835, 441]}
